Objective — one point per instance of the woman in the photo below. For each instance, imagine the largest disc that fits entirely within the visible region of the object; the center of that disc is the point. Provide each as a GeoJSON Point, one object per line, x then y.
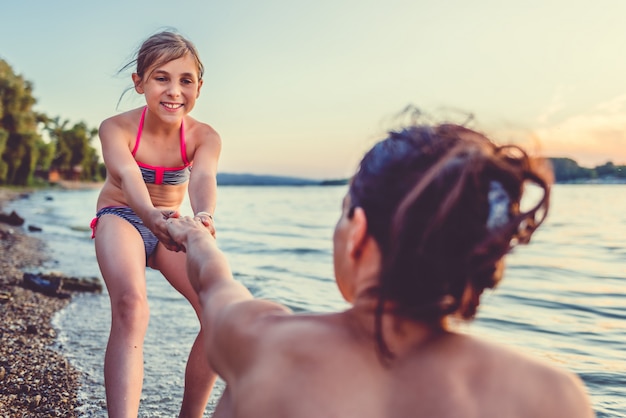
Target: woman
{"type": "Point", "coordinates": [425, 226]}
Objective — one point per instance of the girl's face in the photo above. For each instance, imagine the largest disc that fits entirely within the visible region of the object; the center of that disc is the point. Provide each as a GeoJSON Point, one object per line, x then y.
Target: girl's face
{"type": "Point", "coordinates": [171, 89]}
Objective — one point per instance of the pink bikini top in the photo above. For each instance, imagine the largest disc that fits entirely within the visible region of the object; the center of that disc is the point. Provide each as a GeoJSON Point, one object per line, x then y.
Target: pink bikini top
{"type": "Point", "coordinates": [163, 175]}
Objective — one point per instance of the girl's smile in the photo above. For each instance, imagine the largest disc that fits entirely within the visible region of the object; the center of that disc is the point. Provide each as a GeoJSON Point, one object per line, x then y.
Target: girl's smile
{"type": "Point", "coordinates": [172, 86]}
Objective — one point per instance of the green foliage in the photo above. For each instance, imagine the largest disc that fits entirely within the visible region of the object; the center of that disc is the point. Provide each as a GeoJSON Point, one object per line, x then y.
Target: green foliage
{"type": "Point", "coordinates": [23, 151]}
{"type": "Point", "coordinates": [611, 170]}
{"type": "Point", "coordinates": [74, 156]}
{"type": "Point", "coordinates": [18, 127]}
{"type": "Point", "coordinates": [4, 136]}
{"type": "Point", "coordinates": [567, 170]}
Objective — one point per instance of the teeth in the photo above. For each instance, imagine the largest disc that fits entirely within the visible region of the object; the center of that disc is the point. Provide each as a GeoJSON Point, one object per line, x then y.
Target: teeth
{"type": "Point", "coordinates": [172, 105]}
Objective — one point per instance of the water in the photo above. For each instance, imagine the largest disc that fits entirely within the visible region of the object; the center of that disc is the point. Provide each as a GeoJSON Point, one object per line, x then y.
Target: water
{"type": "Point", "coordinates": [562, 298]}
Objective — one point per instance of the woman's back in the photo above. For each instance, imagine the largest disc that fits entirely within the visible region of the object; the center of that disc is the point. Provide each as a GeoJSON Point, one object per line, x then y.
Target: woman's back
{"type": "Point", "coordinates": [328, 365]}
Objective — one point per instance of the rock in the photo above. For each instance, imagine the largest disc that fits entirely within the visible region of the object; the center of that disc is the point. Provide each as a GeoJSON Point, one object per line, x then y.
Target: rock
{"type": "Point", "coordinates": [6, 234]}
{"type": "Point", "coordinates": [5, 297]}
{"type": "Point", "coordinates": [56, 284]}
{"type": "Point", "coordinates": [82, 284]}
{"type": "Point", "coordinates": [48, 285]}
{"type": "Point", "coordinates": [35, 401]}
{"type": "Point", "coordinates": [33, 228]}
{"type": "Point", "coordinates": [12, 218]}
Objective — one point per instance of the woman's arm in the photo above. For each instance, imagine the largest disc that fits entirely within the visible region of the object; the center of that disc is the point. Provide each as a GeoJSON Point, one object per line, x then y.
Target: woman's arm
{"type": "Point", "coordinates": [230, 314]}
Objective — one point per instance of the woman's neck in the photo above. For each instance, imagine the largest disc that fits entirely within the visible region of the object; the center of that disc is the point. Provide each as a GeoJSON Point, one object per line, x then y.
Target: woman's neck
{"type": "Point", "coordinates": [400, 333]}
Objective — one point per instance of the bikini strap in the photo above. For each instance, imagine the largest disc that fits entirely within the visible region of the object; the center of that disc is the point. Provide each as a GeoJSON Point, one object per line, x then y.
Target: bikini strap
{"type": "Point", "coordinates": [139, 130]}
{"type": "Point", "coordinates": [183, 145]}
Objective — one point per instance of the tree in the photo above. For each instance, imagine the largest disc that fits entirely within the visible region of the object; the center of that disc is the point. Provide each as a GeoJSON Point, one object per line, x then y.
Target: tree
{"type": "Point", "coordinates": [566, 169]}
{"type": "Point", "coordinates": [74, 157]}
{"type": "Point", "coordinates": [19, 140]}
{"type": "Point", "coordinates": [23, 151]}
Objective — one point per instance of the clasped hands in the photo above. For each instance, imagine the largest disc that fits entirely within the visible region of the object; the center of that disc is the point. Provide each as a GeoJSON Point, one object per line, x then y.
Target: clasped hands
{"type": "Point", "coordinates": [175, 228]}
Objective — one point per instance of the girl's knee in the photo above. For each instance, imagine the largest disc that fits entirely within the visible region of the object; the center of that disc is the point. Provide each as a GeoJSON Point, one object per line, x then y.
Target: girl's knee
{"type": "Point", "coordinates": [130, 310]}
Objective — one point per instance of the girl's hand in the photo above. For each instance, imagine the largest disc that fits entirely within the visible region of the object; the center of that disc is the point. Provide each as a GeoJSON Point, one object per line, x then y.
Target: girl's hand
{"type": "Point", "coordinates": [158, 220]}
{"type": "Point", "coordinates": [207, 220]}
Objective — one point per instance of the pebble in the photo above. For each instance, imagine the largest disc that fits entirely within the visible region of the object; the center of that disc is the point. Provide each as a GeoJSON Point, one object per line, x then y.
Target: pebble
{"type": "Point", "coordinates": [35, 380]}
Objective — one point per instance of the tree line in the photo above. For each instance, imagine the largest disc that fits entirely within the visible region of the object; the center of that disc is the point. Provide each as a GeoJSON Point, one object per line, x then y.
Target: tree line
{"type": "Point", "coordinates": [26, 158]}
{"type": "Point", "coordinates": [567, 170]}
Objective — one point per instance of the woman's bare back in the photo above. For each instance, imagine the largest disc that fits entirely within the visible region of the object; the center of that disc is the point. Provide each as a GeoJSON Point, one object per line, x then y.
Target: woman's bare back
{"type": "Point", "coordinates": [320, 366]}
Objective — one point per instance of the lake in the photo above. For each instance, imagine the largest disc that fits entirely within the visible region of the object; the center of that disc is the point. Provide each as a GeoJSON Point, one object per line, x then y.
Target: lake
{"type": "Point", "coordinates": [562, 298]}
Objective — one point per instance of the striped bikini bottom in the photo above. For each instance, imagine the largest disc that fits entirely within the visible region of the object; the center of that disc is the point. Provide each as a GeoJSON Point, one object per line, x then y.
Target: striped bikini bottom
{"type": "Point", "coordinates": [150, 240]}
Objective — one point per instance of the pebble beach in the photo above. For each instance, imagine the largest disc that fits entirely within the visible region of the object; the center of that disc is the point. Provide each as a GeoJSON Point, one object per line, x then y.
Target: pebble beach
{"type": "Point", "coordinates": [35, 380]}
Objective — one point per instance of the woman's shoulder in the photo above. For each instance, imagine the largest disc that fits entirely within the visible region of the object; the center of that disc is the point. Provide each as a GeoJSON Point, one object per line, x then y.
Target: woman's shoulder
{"type": "Point", "coordinates": [302, 332]}
{"type": "Point", "coordinates": [497, 355]}
{"type": "Point", "coordinates": [552, 388]}
{"type": "Point", "coordinates": [274, 325]}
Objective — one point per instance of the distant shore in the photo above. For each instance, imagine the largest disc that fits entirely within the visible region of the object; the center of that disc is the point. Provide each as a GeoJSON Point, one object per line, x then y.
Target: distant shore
{"type": "Point", "coordinates": [35, 380]}
{"type": "Point", "coordinates": [246, 179]}
{"type": "Point", "coordinates": [608, 180]}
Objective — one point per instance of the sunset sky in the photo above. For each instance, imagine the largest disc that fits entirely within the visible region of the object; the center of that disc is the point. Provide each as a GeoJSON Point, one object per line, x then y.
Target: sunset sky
{"type": "Point", "coordinates": [304, 88]}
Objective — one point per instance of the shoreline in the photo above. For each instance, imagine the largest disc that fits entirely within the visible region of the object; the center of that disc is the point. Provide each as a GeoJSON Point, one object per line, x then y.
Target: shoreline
{"type": "Point", "coordinates": [35, 379]}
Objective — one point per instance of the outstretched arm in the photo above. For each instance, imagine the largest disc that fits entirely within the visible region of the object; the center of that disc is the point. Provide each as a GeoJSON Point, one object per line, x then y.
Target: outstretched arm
{"type": "Point", "coordinates": [207, 266]}
{"type": "Point", "coordinates": [233, 320]}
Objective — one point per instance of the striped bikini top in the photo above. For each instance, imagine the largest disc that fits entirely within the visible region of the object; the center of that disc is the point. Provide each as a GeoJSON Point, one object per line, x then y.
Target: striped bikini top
{"type": "Point", "coordinates": [163, 175]}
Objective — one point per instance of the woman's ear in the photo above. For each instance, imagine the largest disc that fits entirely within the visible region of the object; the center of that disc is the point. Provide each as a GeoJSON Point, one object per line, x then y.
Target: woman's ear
{"type": "Point", "coordinates": [358, 236]}
{"type": "Point", "coordinates": [137, 82]}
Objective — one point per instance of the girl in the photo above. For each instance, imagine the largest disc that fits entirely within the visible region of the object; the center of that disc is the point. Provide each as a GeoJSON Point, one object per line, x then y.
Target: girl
{"type": "Point", "coordinates": [149, 153]}
{"type": "Point", "coordinates": [424, 229]}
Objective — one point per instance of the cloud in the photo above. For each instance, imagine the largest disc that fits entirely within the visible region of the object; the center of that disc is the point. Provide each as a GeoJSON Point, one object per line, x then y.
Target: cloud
{"type": "Point", "coordinates": [556, 104]}
{"type": "Point", "coordinates": [591, 138]}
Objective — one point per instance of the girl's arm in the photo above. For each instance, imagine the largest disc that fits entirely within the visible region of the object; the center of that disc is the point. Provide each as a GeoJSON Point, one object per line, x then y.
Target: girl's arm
{"type": "Point", "coordinates": [203, 181]}
{"type": "Point", "coordinates": [121, 165]}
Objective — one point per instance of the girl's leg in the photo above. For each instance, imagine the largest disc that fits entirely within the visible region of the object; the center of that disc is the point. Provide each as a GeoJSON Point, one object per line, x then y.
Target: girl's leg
{"type": "Point", "coordinates": [224, 408]}
{"type": "Point", "coordinates": [121, 257]}
{"type": "Point", "coordinates": [199, 377]}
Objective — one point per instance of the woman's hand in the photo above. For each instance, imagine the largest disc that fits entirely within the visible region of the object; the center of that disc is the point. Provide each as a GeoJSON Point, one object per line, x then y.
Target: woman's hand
{"type": "Point", "coordinates": [181, 228]}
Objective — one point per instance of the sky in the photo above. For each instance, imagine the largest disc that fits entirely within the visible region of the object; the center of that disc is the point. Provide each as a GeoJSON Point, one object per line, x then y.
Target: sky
{"type": "Point", "coordinates": [305, 88]}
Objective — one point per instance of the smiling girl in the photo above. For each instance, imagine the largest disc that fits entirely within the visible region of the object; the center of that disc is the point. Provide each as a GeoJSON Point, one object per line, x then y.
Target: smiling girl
{"type": "Point", "coordinates": [149, 153]}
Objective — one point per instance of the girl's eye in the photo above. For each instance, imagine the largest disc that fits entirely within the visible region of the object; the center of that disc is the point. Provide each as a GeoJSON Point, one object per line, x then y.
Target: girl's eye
{"type": "Point", "coordinates": [160, 79]}
{"type": "Point", "coordinates": [187, 81]}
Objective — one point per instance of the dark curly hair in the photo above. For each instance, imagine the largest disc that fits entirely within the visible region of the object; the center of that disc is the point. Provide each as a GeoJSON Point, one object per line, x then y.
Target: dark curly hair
{"type": "Point", "coordinates": [443, 204]}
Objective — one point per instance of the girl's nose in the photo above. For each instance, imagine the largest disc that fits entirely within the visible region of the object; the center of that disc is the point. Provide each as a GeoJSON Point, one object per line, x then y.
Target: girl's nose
{"type": "Point", "coordinates": [173, 90]}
